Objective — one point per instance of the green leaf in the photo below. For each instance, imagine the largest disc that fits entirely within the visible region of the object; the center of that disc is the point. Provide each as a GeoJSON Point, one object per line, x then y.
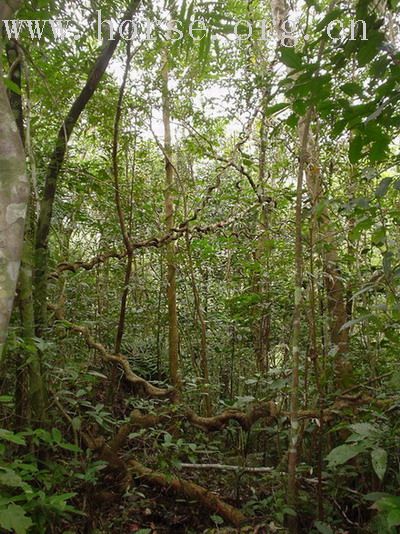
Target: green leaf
{"type": "Point", "coordinates": [338, 127]}
{"type": "Point", "coordinates": [379, 149]}
{"type": "Point", "coordinates": [56, 435]}
{"type": "Point", "coordinates": [96, 373]}
{"type": "Point", "coordinates": [70, 447]}
{"type": "Point", "coordinates": [388, 503]}
{"type": "Point", "coordinates": [271, 110]}
{"type": "Point", "coordinates": [322, 527]}
{"type": "Point", "coordinates": [351, 89]}
{"type": "Point", "coordinates": [76, 423]}
{"type": "Point", "coordinates": [326, 107]}
{"type": "Point", "coordinates": [379, 66]}
{"type": "Point", "coordinates": [291, 58]}
{"type": "Point", "coordinates": [393, 518]}
{"type": "Point", "coordinates": [369, 48]}
{"type": "Point", "coordinates": [251, 381]}
{"type": "Point", "coordinates": [44, 435]}
{"type": "Point", "coordinates": [14, 518]}
{"type": "Point", "coordinates": [364, 429]}
{"type": "Point", "coordinates": [10, 436]}
{"type": "Point", "coordinates": [12, 86]}
{"type": "Point", "coordinates": [363, 224]}
{"type": "Point", "coordinates": [383, 187]}
{"type": "Point", "coordinates": [60, 501]}
{"type": "Point", "coordinates": [332, 15]}
{"type": "Point", "coordinates": [375, 496]}
{"type": "Point", "coordinates": [355, 149]}
{"type": "Point", "coordinates": [300, 106]}
{"type": "Point", "coordinates": [288, 510]}
{"type": "Point", "coordinates": [378, 236]}
{"type": "Point", "coordinates": [218, 520]}
{"type": "Point", "coordinates": [8, 477]}
{"type": "Point", "coordinates": [379, 459]}
{"type": "Point", "coordinates": [342, 454]}
{"type": "Point", "coordinates": [358, 320]}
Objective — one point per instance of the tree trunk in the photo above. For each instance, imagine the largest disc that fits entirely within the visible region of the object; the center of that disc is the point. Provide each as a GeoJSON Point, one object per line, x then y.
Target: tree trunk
{"type": "Point", "coordinates": [336, 292]}
{"type": "Point", "coordinates": [14, 196]}
{"type": "Point", "coordinates": [25, 296]}
{"type": "Point", "coordinates": [260, 282]}
{"type": "Point", "coordinates": [37, 395]}
{"type": "Point", "coordinates": [121, 218]}
{"type": "Point", "coordinates": [294, 393]}
{"type": "Point", "coordinates": [173, 336]}
{"type": "Point", "coordinates": [203, 331]}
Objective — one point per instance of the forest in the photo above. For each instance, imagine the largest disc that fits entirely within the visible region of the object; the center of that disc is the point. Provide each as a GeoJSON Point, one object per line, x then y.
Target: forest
{"type": "Point", "coordinates": [199, 266]}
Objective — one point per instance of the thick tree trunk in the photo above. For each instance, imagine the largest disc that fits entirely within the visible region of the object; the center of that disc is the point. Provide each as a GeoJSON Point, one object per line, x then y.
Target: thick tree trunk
{"type": "Point", "coordinates": [8, 8]}
{"type": "Point", "coordinates": [21, 376]}
{"type": "Point", "coordinates": [14, 195]}
{"type": "Point", "coordinates": [36, 396]}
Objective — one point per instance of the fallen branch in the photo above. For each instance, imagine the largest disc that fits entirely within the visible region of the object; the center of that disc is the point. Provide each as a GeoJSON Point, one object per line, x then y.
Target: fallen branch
{"type": "Point", "coordinates": [224, 467]}
{"type": "Point", "coordinates": [190, 490]}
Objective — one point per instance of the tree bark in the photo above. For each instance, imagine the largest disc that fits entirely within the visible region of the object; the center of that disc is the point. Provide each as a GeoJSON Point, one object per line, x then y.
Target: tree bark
{"type": "Point", "coordinates": [14, 196]}
{"type": "Point", "coordinates": [14, 74]}
{"type": "Point", "coordinates": [203, 331]}
{"type": "Point", "coordinates": [21, 376]}
{"type": "Point", "coordinates": [35, 408]}
{"type": "Point", "coordinates": [294, 393]}
{"type": "Point", "coordinates": [336, 292]}
{"type": "Point", "coordinates": [37, 391]}
{"type": "Point", "coordinates": [190, 490]}
{"type": "Point", "coordinates": [173, 336]}
{"type": "Point", "coordinates": [121, 218]}
{"type": "Point", "coordinates": [8, 8]}
{"type": "Point", "coordinates": [260, 282]}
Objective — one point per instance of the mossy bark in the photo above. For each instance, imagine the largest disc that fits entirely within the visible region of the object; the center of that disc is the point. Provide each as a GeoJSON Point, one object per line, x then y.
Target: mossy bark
{"type": "Point", "coordinates": [30, 406]}
{"type": "Point", "coordinates": [14, 195]}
